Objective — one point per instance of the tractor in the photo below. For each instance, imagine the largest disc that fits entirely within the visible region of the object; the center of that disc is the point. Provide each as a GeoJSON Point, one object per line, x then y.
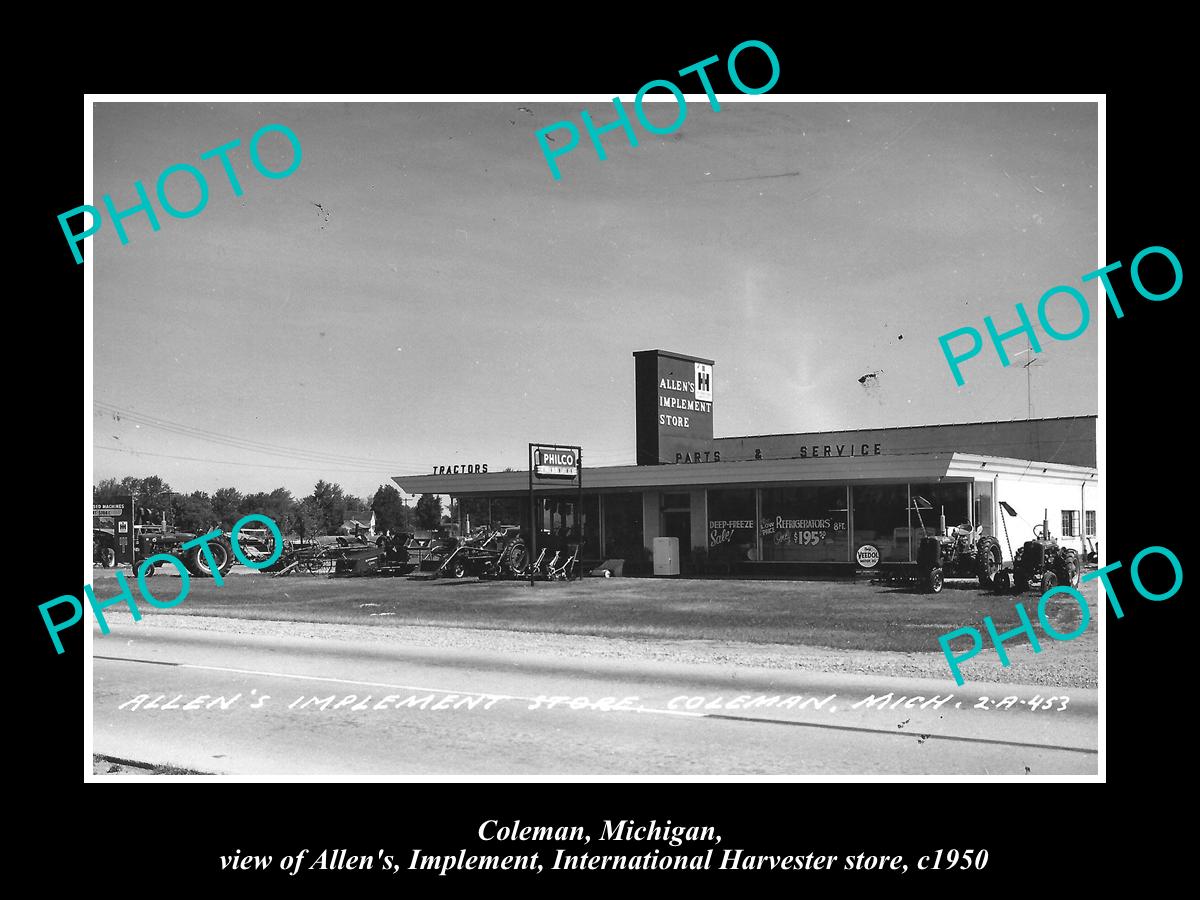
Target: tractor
{"type": "Point", "coordinates": [489, 552]}
{"type": "Point", "coordinates": [104, 547]}
{"type": "Point", "coordinates": [150, 538]}
{"type": "Point", "coordinates": [1042, 563]}
{"type": "Point", "coordinates": [959, 552]}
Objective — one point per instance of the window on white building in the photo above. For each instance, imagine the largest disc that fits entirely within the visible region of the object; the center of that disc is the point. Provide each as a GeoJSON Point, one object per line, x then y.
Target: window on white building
{"type": "Point", "coordinates": [1089, 522]}
{"type": "Point", "coordinates": [1070, 523]}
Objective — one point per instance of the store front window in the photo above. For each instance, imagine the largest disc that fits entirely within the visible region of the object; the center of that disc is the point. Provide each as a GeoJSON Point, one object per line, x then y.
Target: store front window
{"type": "Point", "coordinates": [473, 512]}
{"type": "Point", "coordinates": [555, 521]}
{"type": "Point", "coordinates": [590, 523]}
{"type": "Point", "coordinates": [623, 534]}
{"type": "Point", "coordinates": [929, 501]}
{"type": "Point", "coordinates": [804, 524]}
{"type": "Point", "coordinates": [1070, 523]}
{"type": "Point", "coordinates": [565, 527]}
{"type": "Point", "coordinates": [731, 525]}
{"type": "Point", "coordinates": [881, 519]}
{"type": "Point", "coordinates": [984, 513]}
{"type": "Point", "coordinates": [510, 511]}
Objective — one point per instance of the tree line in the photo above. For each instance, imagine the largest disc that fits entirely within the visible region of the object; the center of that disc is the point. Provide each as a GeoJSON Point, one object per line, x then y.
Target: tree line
{"type": "Point", "coordinates": [322, 512]}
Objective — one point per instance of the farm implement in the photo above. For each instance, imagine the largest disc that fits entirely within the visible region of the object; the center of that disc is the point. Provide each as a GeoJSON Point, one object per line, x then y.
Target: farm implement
{"type": "Point", "coordinates": [347, 558]}
{"type": "Point", "coordinates": [488, 552]}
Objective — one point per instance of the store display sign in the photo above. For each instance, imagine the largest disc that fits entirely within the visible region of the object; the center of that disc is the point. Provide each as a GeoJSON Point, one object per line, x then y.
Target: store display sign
{"type": "Point", "coordinates": [804, 532]}
{"type": "Point", "coordinates": [556, 462]}
{"type": "Point", "coordinates": [684, 394]}
{"type": "Point", "coordinates": [868, 556]}
{"type": "Point", "coordinates": [674, 408]}
{"type": "Point", "coordinates": [685, 402]}
{"type": "Point", "coordinates": [730, 531]}
{"type": "Point", "coordinates": [117, 515]}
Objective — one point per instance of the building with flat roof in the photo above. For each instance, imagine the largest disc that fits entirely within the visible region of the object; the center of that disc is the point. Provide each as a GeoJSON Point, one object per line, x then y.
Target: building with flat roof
{"type": "Point", "coordinates": [781, 503]}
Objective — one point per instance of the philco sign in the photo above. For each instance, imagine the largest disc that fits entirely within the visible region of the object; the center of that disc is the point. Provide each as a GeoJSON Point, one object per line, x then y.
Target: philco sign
{"type": "Point", "coordinates": [556, 462]}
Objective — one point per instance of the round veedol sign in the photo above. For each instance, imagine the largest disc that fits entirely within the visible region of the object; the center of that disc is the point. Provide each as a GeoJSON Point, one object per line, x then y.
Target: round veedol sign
{"type": "Point", "coordinates": [868, 556]}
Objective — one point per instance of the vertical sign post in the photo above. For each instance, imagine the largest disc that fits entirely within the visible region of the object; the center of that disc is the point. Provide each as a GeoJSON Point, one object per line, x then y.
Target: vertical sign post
{"type": "Point", "coordinates": [579, 509]}
{"type": "Point", "coordinates": [533, 525]}
{"type": "Point", "coordinates": [554, 462]}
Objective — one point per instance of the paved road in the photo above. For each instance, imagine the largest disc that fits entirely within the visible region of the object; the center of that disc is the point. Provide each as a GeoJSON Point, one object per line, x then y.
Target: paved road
{"type": "Point", "coordinates": [256, 705]}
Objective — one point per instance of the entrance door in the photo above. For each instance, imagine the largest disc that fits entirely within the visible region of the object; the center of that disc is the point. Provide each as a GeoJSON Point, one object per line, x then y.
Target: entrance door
{"type": "Point", "coordinates": [678, 524]}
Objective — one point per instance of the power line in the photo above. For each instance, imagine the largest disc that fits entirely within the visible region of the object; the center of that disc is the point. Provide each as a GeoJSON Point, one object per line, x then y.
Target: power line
{"type": "Point", "coordinates": [229, 462]}
{"type": "Point", "coordinates": [230, 440]}
{"type": "Point", "coordinates": [294, 453]}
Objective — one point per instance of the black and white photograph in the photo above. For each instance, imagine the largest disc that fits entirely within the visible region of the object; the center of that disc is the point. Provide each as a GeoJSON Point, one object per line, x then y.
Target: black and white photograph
{"type": "Point", "coordinates": [691, 435]}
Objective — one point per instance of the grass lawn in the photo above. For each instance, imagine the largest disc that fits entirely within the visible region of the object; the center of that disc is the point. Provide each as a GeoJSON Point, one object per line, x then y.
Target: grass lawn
{"type": "Point", "coordinates": [837, 614]}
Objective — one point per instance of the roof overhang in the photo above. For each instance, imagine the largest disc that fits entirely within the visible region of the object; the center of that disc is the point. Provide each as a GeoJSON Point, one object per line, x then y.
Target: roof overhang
{"type": "Point", "coordinates": [971, 465]}
{"type": "Point", "coordinates": [864, 469]}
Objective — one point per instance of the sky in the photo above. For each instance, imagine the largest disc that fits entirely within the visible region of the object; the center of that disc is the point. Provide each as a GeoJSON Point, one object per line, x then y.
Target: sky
{"type": "Point", "coordinates": [422, 292]}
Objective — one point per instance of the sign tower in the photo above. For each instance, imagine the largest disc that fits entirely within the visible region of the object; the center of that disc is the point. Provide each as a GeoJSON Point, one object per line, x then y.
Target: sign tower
{"type": "Point", "coordinates": [673, 407]}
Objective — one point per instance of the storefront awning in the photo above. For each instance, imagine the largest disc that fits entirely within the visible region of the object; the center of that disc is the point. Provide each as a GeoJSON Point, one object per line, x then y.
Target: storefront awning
{"type": "Point", "coordinates": [880, 469]}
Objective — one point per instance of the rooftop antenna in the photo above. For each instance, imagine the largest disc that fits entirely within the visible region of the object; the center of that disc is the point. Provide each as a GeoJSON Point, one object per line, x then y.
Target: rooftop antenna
{"type": "Point", "coordinates": [1028, 367]}
{"type": "Point", "coordinates": [1034, 438]}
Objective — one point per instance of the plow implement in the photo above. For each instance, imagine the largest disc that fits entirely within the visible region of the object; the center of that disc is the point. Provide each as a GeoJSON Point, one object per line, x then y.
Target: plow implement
{"type": "Point", "coordinates": [350, 559]}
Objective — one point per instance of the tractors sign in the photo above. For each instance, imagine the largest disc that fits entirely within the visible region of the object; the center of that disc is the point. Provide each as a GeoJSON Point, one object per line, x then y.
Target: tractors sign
{"type": "Point", "coordinates": [556, 462]}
